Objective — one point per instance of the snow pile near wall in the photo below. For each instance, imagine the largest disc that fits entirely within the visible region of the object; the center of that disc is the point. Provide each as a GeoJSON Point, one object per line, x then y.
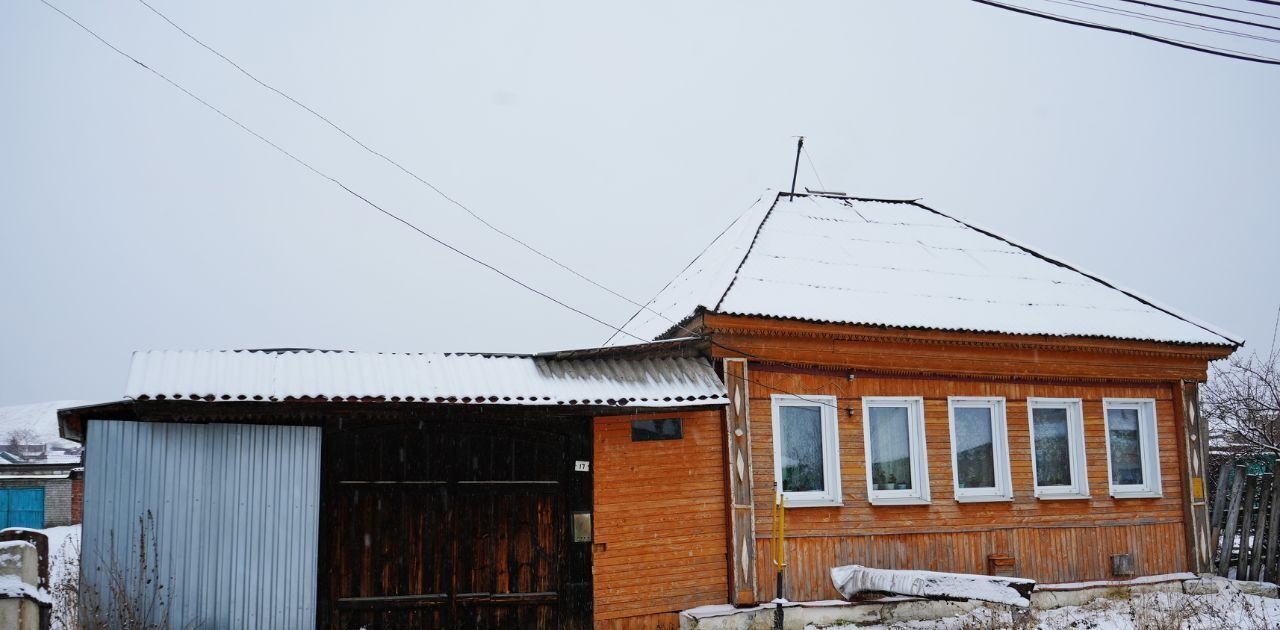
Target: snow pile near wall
{"type": "Point", "coordinates": [1229, 608]}
{"type": "Point", "coordinates": [854, 579]}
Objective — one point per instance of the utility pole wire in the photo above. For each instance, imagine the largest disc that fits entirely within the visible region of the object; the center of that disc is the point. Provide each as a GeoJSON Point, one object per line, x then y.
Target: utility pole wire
{"type": "Point", "coordinates": [393, 162]}
{"type": "Point", "coordinates": [1220, 52]}
{"type": "Point", "coordinates": [1202, 14]}
{"type": "Point", "coordinates": [1220, 8]}
{"type": "Point", "coordinates": [1091, 6]}
{"type": "Point", "coordinates": [414, 227]}
{"type": "Point", "coordinates": [815, 170]}
{"type": "Point", "coordinates": [332, 179]}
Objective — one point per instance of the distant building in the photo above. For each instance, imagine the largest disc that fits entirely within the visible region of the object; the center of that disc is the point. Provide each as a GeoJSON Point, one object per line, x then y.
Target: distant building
{"type": "Point", "coordinates": [41, 479]}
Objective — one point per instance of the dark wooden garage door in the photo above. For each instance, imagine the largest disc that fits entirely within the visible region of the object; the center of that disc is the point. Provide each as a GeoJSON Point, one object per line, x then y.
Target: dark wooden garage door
{"type": "Point", "coordinates": [451, 525]}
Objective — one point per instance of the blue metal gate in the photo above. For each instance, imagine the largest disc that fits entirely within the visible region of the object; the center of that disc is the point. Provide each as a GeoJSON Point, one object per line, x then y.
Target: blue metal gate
{"type": "Point", "coordinates": [22, 507]}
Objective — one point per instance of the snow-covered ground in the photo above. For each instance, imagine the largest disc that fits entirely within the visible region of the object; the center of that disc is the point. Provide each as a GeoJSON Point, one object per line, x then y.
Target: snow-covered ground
{"type": "Point", "coordinates": [64, 574]}
{"type": "Point", "coordinates": [1230, 608]}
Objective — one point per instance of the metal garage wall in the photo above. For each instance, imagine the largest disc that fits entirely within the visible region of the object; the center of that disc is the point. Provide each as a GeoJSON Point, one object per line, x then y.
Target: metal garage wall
{"type": "Point", "coordinates": [235, 513]}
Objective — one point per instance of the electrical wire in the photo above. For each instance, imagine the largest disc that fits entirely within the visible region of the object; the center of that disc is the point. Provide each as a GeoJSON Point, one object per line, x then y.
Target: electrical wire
{"type": "Point", "coordinates": [1220, 52]}
{"type": "Point", "coordinates": [405, 222]}
{"type": "Point", "coordinates": [332, 179]}
{"type": "Point", "coordinates": [1221, 8]}
{"type": "Point", "coordinates": [391, 161]}
{"type": "Point", "coordinates": [1090, 6]}
{"type": "Point", "coordinates": [1201, 14]}
{"type": "Point", "coordinates": [813, 168]}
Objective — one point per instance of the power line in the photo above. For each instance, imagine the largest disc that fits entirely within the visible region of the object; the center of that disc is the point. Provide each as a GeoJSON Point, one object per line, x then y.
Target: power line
{"type": "Point", "coordinates": [1202, 14]}
{"type": "Point", "coordinates": [1090, 6]}
{"type": "Point", "coordinates": [814, 169]}
{"type": "Point", "coordinates": [335, 126]}
{"type": "Point", "coordinates": [1221, 8]}
{"type": "Point", "coordinates": [331, 178]}
{"type": "Point", "coordinates": [1220, 52]}
{"type": "Point", "coordinates": [408, 224]}
{"type": "Point", "coordinates": [391, 161]}
{"type": "Point", "coordinates": [1271, 2]}
{"type": "Point", "coordinates": [686, 268]}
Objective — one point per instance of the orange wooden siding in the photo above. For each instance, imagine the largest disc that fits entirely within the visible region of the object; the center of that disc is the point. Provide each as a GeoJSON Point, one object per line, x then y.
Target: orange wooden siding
{"type": "Point", "coordinates": [1052, 540]}
{"type": "Point", "coordinates": [659, 521]}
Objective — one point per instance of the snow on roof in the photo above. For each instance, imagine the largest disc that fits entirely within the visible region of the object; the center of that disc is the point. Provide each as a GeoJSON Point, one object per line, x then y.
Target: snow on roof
{"type": "Point", "coordinates": [42, 420]}
{"type": "Point", "coordinates": [427, 377]}
{"type": "Point", "coordinates": [899, 263]}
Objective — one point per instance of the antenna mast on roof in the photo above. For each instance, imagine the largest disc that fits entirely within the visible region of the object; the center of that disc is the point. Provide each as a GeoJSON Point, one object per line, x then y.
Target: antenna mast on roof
{"type": "Point", "coordinates": [796, 171]}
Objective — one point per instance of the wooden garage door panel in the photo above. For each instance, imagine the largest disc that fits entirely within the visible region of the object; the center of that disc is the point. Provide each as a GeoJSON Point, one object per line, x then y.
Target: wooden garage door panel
{"type": "Point", "coordinates": [462, 527]}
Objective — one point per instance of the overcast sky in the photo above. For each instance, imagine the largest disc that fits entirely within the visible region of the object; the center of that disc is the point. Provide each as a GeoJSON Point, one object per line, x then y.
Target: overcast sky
{"type": "Point", "coordinates": [618, 139]}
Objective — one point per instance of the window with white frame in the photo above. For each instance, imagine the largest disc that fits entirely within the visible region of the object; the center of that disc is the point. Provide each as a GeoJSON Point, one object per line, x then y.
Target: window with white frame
{"type": "Point", "coordinates": [1057, 448]}
{"type": "Point", "coordinates": [893, 433]}
{"type": "Point", "coordinates": [1133, 459]}
{"type": "Point", "coordinates": [806, 450]}
{"type": "Point", "coordinates": [979, 449]}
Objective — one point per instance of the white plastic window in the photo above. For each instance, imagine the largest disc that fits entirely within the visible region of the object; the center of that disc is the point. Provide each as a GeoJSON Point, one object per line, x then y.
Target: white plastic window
{"type": "Point", "coordinates": [979, 449]}
{"type": "Point", "coordinates": [893, 433]}
{"type": "Point", "coordinates": [806, 450]}
{"type": "Point", "coordinates": [1133, 458]}
{"type": "Point", "coordinates": [1057, 448]}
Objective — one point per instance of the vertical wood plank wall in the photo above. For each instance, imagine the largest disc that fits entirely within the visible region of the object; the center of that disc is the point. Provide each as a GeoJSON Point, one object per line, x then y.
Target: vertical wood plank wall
{"type": "Point", "coordinates": [1052, 541]}
{"type": "Point", "coordinates": [660, 540]}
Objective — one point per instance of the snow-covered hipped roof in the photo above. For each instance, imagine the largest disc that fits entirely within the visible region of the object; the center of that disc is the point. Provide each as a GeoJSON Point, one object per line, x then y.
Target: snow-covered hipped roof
{"type": "Point", "coordinates": [899, 263]}
{"type": "Point", "coordinates": [427, 377]}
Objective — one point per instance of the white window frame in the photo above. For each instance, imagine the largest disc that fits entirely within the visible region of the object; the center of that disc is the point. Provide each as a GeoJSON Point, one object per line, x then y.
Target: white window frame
{"type": "Point", "coordinates": [830, 495]}
{"type": "Point", "coordinates": [1075, 448]}
{"type": "Point", "coordinates": [1003, 490]}
{"type": "Point", "coordinates": [918, 495]}
{"type": "Point", "coordinates": [1148, 442]}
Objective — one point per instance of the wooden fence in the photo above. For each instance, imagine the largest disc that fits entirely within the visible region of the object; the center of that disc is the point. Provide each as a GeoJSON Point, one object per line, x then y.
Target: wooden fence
{"type": "Point", "coordinates": [1245, 523]}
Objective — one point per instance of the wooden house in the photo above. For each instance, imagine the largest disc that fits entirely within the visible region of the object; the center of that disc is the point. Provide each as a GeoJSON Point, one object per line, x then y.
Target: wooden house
{"type": "Point", "coordinates": [923, 393]}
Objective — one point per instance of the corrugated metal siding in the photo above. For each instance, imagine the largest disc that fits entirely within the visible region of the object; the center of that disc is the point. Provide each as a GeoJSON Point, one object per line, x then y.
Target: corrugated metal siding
{"type": "Point", "coordinates": [454, 378]}
{"type": "Point", "coordinates": [235, 511]}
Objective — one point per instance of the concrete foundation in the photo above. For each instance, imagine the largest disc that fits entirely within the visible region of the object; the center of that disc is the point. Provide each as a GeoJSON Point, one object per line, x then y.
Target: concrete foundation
{"type": "Point", "coordinates": [900, 609]}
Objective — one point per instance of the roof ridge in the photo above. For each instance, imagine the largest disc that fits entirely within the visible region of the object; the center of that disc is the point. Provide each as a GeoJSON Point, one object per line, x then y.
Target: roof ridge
{"type": "Point", "coordinates": [1166, 310]}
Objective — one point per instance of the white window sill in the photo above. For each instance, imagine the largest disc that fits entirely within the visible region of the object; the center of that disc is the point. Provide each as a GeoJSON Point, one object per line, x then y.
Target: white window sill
{"type": "Point", "coordinates": [808, 503]}
{"type": "Point", "coordinates": [1062, 496]}
{"type": "Point", "coordinates": [990, 498]}
{"type": "Point", "coordinates": [899, 501]}
{"type": "Point", "coordinates": [1141, 494]}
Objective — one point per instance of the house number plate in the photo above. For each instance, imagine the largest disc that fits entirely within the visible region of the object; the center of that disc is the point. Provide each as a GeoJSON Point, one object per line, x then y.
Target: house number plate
{"type": "Point", "coordinates": [581, 466]}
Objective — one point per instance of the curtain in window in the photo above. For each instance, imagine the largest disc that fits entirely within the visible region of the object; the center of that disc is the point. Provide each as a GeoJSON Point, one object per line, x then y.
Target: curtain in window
{"type": "Point", "coordinates": [890, 439]}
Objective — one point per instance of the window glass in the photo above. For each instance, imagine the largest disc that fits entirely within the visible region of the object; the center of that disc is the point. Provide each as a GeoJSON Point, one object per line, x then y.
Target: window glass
{"type": "Point", "coordinates": [1126, 447]}
{"type": "Point", "coordinates": [1053, 446]}
{"type": "Point", "coordinates": [660, 429]}
{"type": "Point", "coordinates": [975, 448]}
{"type": "Point", "coordinates": [801, 449]}
{"type": "Point", "coordinates": [890, 448]}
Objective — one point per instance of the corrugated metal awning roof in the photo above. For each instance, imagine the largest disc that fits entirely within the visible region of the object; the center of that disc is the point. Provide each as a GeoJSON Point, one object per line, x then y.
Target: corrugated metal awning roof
{"type": "Point", "coordinates": [899, 263]}
{"type": "Point", "coordinates": [277, 375]}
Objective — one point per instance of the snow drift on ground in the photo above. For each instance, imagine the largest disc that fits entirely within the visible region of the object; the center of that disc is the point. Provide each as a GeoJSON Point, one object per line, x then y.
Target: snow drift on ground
{"type": "Point", "coordinates": [1228, 609]}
